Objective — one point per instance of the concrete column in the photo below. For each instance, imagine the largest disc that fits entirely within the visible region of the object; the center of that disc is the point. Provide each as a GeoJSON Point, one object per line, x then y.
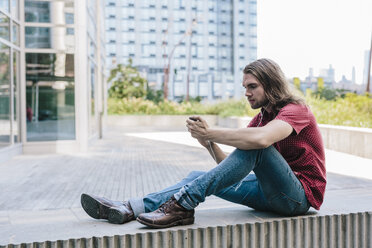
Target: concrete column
{"type": "Point", "coordinates": [81, 75]}
{"type": "Point", "coordinates": [159, 80]}
{"type": "Point", "coordinates": [171, 84]}
{"type": "Point", "coordinates": [197, 85]}
{"type": "Point", "coordinates": [99, 87]}
{"type": "Point", "coordinates": [58, 33]}
{"type": "Point", "coordinates": [210, 88]}
{"type": "Point", "coordinates": [224, 93]}
{"type": "Point", "coordinates": [22, 74]}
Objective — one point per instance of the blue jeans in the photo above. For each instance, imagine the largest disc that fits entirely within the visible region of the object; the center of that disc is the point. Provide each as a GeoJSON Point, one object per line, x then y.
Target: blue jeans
{"type": "Point", "coordinates": [273, 186]}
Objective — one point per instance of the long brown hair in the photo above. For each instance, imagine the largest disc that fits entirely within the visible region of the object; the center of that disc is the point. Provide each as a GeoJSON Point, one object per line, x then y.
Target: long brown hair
{"type": "Point", "coordinates": [276, 87]}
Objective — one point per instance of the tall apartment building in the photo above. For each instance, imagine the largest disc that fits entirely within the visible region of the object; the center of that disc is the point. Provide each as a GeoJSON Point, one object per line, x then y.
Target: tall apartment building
{"type": "Point", "coordinates": [206, 42]}
{"type": "Point", "coordinates": [51, 75]}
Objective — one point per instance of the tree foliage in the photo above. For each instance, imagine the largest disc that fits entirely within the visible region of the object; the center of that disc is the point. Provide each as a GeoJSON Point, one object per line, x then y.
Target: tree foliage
{"type": "Point", "coordinates": [126, 82]}
{"type": "Point", "coordinates": [329, 94]}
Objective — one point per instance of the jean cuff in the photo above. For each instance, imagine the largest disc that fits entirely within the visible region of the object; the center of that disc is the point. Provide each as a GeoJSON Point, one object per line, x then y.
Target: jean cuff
{"type": "Point", "coordinates": [181, 199]}
{"type": "Point", "coordinates": [137, 206]}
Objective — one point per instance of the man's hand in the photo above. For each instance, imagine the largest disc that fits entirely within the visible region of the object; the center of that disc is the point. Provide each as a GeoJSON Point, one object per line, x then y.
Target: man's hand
{"type": "Point", "coordinates": [198, 128]}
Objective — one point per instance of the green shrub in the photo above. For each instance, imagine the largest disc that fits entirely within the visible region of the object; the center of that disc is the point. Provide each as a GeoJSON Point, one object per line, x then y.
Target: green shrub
{"type": "Point", "coordinates": [349, 110]}
{"type": "Point", "coordinates": [126, 81]}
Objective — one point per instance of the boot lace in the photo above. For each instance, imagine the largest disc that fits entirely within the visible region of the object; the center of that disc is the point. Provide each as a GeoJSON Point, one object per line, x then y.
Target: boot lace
{"type": "Point", "coordinates": [166, 206]}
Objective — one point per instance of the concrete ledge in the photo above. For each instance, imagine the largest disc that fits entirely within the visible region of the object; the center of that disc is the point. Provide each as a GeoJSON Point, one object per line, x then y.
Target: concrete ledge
{"type": "Point", "coordinates": [50, 147]}
{"type": "Point", "coordinates": [6, 153]}
{"type": "Point", "coordinates": [345, 230]}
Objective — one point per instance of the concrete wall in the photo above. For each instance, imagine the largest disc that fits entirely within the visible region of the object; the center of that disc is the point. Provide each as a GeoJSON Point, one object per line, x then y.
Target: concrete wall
{"type": "Point", "coordinates": [153, 120]}
{"type": "Point", "coordinates": [352, 140]}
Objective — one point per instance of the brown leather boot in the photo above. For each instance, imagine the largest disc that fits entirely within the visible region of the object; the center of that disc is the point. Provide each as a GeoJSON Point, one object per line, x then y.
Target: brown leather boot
{"type": "Point", "coordinates": [97, 207]}
{"type": "Point", "coordinates": [121, 214]}
{"type": "Point", "coordinates": [170, 213]}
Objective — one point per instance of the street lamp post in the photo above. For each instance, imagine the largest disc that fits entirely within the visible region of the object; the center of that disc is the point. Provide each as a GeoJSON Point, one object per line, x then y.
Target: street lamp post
{"type": "Point", "coordinates": [189, 62]}
{"type": "Point", "coordinates": [167, 65]}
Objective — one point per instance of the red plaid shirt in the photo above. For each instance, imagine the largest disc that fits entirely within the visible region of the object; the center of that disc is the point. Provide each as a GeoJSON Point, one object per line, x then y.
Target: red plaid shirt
{"type": "Point", "coordinates": [303, 149]}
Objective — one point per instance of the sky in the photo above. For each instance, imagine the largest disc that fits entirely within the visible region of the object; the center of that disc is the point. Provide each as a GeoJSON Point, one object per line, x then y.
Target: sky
{"type": "Point", "coordinates": [303, 34]}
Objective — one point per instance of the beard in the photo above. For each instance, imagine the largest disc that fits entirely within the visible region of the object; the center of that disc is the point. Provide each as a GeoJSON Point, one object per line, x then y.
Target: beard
{"type": "Point", "coordinates": [258, 104]}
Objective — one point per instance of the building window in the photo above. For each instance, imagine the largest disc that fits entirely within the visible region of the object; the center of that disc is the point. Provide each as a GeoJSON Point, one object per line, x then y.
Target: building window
{"type": "Point", "coordinates": [37, 11]}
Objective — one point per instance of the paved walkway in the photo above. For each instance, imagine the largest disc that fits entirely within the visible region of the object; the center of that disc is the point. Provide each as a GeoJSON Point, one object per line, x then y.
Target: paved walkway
{"type": "Point", "coordinates": [40, 195]}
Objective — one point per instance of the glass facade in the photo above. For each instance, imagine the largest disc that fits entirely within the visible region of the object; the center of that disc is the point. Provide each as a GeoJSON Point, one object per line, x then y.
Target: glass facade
{"type": "Point", "coordinates": [9, 73]}
{"type": "Point", "coordinates": [50, 96]}
{"type": "Point", "coordinates": [5, 91]}
{"type": "Point", "coordinates": [52, 69]}
{"type": "Point", "coordinates": [50, 77]}
{"type": "Point", "coordinates": [4, 27]}
{"type": "Point", "coordinates": [16, 83]}
{"type": "Point", "coordinates": [92, 67]}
